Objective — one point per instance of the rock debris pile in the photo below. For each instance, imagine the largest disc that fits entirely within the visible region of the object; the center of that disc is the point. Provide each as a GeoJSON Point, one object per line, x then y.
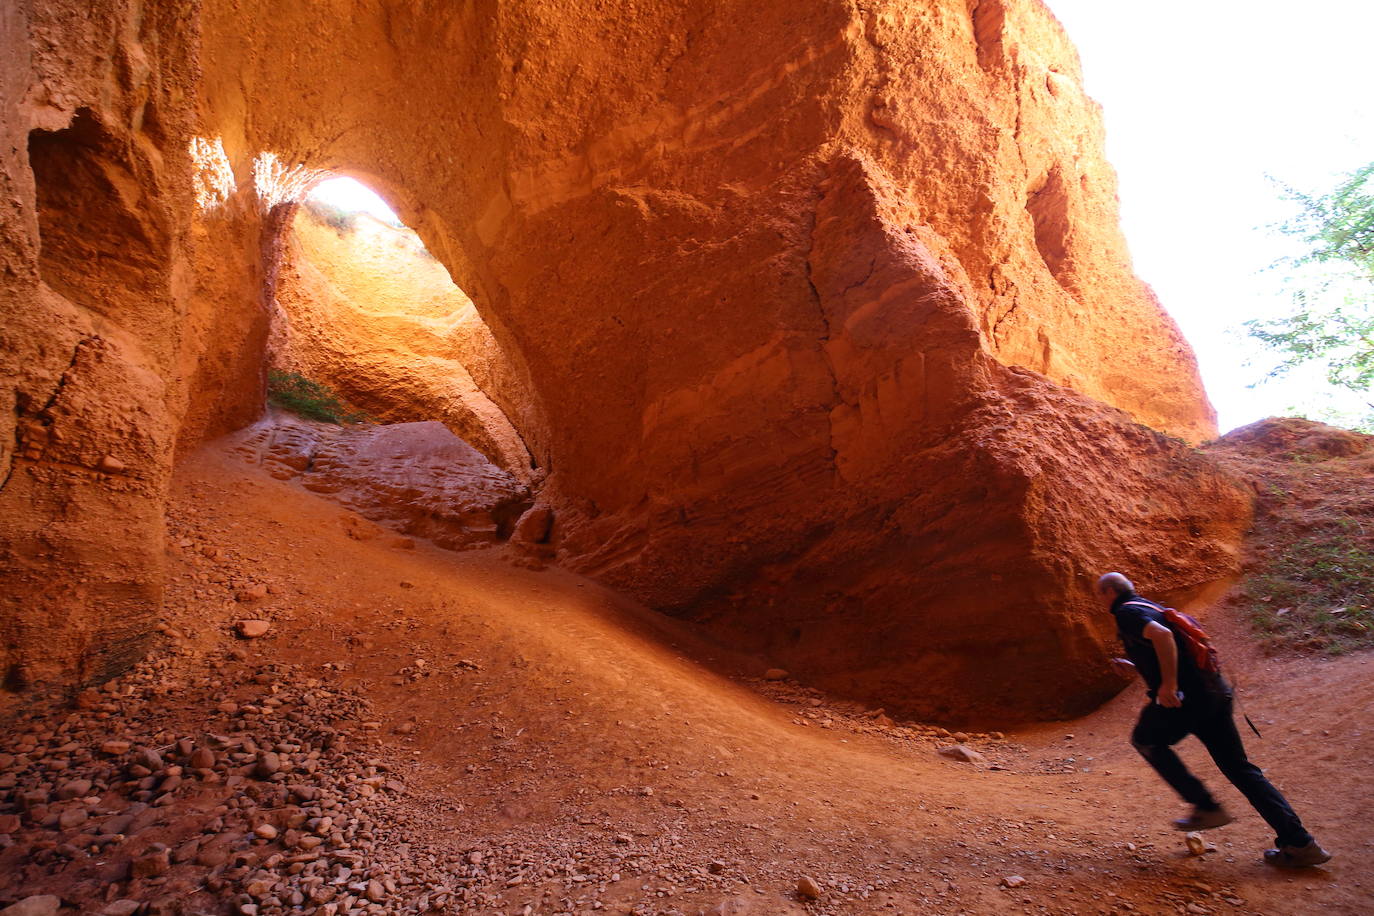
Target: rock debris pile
{"type": "Point", "coordinates": [260, 803]}
{"type": "Point", "coordinates": [157, 794]}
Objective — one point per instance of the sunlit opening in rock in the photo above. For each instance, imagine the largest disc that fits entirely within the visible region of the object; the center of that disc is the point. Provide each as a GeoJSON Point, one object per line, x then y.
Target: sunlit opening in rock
{"type": "Point", "coordinates": [362, 307]}
{"type": "Point", "coordinates": [349, 195]}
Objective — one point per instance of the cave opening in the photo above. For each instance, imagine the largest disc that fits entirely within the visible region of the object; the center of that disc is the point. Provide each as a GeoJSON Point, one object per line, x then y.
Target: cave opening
{"type": "Point", "coordinates": [361, 306]}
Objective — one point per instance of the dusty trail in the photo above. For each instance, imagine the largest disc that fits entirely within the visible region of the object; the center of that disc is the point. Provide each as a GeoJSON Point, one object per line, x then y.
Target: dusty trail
{"type": "Point", "coordinates": [557, 707]}
{"type": "Point", "coordinates": [539, 744]}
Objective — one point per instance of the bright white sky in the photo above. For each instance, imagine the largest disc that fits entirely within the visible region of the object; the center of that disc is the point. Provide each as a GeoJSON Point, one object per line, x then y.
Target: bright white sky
{"type": "Point", "coordinates": [1202, 99]}
{"type": "Point", "coordinates": [347, 194]}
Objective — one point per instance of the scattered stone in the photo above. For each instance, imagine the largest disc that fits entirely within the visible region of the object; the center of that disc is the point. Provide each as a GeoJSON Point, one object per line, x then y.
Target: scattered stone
{"type": "Point", "coordinates": [807, 888]}
{"type": "Point", "coordinates": [961, 752]}
{"type": "Point", "coordinates": [76, 788]}
{"type": "Point", "coordinates": [121, 908]}
{"type": "Point", "coordinates": [149, 759]}
{"type": "Point", "coordinates": [1196, 844]}
{"type": "Point", "coordinates": [109, 464]}
{"type": "Point", "coordinates": [202, 758]}
{"type": "Point", "coordinates": [72, 818]}
{"type": "Point", "coordinates": [265, 831]}
{"type": "Point", "coordinates": [252, 629]}
{"type": "Point", "coordinates": [186, 852]}
{"type": "Point", "coordinates": [775, 674]}
{"type": "Point", "coordinates": [114, 747]}
{"type": "Point", "coordinates": [153, 864]}
{"type": "Point", "coordinates": [39, 905]}
{"type": "Point", "coordinates": [267, 764]}
{"type": "Point", "coordinates": [252, 593]}
{"type": "Point", "coordinates": [1013, 881]}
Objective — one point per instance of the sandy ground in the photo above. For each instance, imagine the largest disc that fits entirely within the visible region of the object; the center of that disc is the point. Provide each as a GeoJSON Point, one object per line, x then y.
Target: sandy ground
{"type": "Point", "coordinates": [603, 758]}
{"type": "Point", "coordinates": [555, 712]}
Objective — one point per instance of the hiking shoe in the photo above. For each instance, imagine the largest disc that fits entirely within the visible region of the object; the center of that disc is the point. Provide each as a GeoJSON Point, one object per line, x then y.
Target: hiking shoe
{"type": "Point", "coordinates": [1297, 856]}
{"type": "Point", "coordinates": [1203, 819]}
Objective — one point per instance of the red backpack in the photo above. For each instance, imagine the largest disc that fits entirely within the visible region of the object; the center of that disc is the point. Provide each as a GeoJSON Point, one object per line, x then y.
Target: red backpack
{"type": "Point", "coordinates": [1199, 645]}
{"type": "Point", "coordinates": [1195, 638]}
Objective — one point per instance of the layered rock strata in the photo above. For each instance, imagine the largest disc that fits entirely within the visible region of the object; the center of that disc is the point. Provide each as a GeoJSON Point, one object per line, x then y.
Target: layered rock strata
{"type": "Point", "coordinates": [829, 334]}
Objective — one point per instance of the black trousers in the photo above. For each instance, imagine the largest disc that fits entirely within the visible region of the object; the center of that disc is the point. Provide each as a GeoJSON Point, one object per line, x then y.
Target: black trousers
{"type": "Point", "coordinates": [1208, 716]}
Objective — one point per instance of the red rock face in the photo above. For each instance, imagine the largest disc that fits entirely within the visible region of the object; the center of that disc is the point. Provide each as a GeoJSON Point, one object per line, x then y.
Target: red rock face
{"type": "Point", "coordinates": [830, 335]}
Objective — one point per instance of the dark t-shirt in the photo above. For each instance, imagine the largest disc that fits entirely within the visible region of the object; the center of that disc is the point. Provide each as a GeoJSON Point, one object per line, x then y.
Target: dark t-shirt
{"type": "Point", "coordinates": [1133, 613]}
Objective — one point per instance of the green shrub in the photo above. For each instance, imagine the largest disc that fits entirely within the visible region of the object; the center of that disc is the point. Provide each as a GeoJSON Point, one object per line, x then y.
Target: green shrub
{"type": "Point", "coordinates": [298, 394]}
{"type": "Point", "coordinates": [1317, 595]}
{"type": "Point", "coordinates": [341, 221]}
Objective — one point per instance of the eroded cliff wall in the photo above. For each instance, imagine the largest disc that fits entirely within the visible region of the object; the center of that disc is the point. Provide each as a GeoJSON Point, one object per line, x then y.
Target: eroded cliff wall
{"type": "Point", "coordinates": [824, 310]}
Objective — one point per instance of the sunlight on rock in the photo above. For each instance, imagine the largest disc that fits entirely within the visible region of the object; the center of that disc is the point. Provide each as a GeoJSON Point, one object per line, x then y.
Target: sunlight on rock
{"type": "Point", "coordinates": [214, 179]}
{"type": "Point", "coordinates": [278, 183]}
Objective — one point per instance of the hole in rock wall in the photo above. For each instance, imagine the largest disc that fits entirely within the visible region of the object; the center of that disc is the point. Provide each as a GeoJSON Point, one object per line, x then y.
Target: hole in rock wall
{"type": "Point", "coordinates": [1049, 209]}
{"type": "Point", "coordinates": [97, 241]}
{"type": "Point", "coordinates": [364, 308]}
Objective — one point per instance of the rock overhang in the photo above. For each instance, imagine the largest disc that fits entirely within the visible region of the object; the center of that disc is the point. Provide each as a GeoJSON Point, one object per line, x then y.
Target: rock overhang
{"type": "Point", "coordinates": [822, 312]}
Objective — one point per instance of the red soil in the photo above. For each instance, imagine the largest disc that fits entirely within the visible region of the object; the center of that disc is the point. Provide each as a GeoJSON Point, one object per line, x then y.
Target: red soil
{"type": "Point", "coordinates": [555, 704]}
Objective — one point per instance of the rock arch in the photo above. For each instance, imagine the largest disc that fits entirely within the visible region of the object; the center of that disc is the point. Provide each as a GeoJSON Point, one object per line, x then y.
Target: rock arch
{"type": "Point", "coordinates": [752, 283]}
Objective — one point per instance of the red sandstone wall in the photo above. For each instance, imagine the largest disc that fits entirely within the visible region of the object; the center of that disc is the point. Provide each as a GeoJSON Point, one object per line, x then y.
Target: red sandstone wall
{"type": "Point", "coordinates": [770, 270]}
{"type": "Point", "coordinates": [89, 325]}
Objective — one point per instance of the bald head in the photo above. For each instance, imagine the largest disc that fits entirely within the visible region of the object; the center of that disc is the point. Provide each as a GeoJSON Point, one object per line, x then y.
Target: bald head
{"type": "Point", "coordinates": [1113, 584]}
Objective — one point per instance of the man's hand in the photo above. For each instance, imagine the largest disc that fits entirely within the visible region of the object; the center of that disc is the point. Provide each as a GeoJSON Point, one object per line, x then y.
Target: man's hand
{"type": "Point", "coordinates": [1168, 695]}
{"type": "Point", "coordinates": [1122, 667]}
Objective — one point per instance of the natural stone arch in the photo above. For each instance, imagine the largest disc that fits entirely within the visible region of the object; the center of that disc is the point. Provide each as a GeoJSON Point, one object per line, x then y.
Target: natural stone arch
{"type": "Point", "coordinates": [752, 256]}
{"type": "Point", "coordinates": [364, 308]}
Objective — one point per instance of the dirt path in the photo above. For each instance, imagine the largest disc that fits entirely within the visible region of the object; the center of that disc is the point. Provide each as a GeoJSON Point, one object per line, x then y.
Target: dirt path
{"type": "Point", "coordinates": [610, 761]}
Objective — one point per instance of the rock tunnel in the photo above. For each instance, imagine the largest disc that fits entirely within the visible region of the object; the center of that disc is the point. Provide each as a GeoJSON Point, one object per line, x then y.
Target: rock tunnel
{"type": "Point", "coordinates": [826, 340]}
{"type": "Point", "coordinates": [362, 306]}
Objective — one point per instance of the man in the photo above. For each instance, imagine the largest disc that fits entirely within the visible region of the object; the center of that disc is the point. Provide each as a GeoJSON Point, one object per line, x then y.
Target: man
{"type": "Point", "coordinates": [1186, 700]}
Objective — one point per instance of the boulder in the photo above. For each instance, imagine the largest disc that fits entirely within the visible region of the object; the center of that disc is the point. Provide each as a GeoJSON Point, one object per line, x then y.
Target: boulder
{"type": "Point", "coordinates": [38, 905]}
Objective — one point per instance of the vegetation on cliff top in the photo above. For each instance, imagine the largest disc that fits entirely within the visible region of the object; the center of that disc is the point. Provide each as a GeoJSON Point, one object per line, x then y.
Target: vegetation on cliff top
{"type": "Point", "coordinates": [1309, 570]}
{"type": "Point", "coordinates": [1333, 287]}
{"type": "Point", "coordinates": [337, 218]}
